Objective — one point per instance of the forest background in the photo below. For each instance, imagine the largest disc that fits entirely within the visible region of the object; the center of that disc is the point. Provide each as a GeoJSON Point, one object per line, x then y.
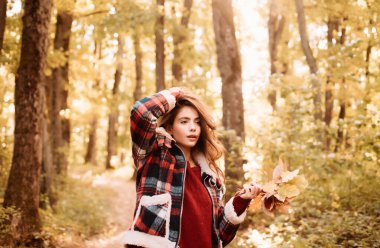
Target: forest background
{"type": "Point", "coordinates": [296, 80]}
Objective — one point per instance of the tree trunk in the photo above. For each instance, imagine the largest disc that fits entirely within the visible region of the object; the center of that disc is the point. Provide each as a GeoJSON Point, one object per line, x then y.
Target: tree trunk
{"type": "Point", "coordinates": [114, 108]}
{"type": "Point", "coordinates": [60, 79]}
{"type": "Point", "coordinates": [3, 18]}
{"type": "Point", "coordinates": [276, 25]}
{"type": "Point", "coordinates": [137, 94]}
{"type": "Point", "coordinates": [368, 61]}
{"type": "Point", "coordinates": [229, 66]}
{"type": "Point", "coordinates": [23, 189]}
{"type": "Point", "coordinates": [343, 89]}
{"type": "Point", "coordinates": [160, 46]}
{"type": "Point", "coordinates": [310, 59]}
{"type": "Point", "coordinates": [179, 38]}
{"type": "Point", "coordinates": [342, 115]}
{"type": "Point", "coordinates": [91, 145]}
{"type": "Point", "coordinates": [332, 25]}
{"type": "Point", "coordinates": [48, 173]}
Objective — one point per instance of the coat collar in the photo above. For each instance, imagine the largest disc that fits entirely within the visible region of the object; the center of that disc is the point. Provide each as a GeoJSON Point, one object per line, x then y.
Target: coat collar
{"type": "Point", "coordinates": [204, 164]}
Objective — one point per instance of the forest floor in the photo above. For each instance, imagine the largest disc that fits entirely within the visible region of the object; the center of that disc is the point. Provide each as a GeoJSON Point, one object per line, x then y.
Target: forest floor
{"type": "Point", "coordinates": [121, 206]}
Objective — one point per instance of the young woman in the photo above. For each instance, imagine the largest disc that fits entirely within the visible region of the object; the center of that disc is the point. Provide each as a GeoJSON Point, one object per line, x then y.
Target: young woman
{"type": "Point", "coordinates": [179, 185]}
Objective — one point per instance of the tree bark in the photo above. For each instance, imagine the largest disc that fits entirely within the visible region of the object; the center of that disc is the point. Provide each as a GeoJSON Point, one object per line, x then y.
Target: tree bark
{"type": "Point", "coordinates": [23, 189]}
{"type": "Point", "coordinates": [3, 19]}
{"type": "Point", "coordinates": [160, 46]}
{"type": "Point", "coordinates": [276, 25]}
{"type": "Point", "coordinates": [178, 40]}
{"type": "Point", "coordinates": [114, 108]}
{"type": "Point", "coordinates": [229, 66]}
{"type": "Point", "coordinates": [60, 80]}
{"type": "Point", "coordinates": [137, 94]}
{"type": "Point", "coordinates": [310, 59]}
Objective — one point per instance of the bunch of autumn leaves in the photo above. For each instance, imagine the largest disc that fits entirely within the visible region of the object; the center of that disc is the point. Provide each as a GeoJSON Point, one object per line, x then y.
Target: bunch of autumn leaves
{"type": "Point", "coordinates": [277, 193]}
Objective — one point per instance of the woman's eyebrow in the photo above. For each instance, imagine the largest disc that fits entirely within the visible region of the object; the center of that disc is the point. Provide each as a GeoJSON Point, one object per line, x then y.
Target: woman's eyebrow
{"type": "Point", "coordinates": [188, 118]}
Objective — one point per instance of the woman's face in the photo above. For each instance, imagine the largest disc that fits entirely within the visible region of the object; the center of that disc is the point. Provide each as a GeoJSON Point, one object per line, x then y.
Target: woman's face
{"type": "Point", "coordinates": [186, 127]}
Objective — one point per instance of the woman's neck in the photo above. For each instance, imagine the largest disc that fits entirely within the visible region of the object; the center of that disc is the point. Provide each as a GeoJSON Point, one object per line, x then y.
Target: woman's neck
{"type": "Point", "coordinates": [188, 157]}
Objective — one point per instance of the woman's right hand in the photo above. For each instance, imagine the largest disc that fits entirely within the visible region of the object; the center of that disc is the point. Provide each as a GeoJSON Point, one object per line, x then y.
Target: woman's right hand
{"type": "Point", "coordinates": [250, 191]}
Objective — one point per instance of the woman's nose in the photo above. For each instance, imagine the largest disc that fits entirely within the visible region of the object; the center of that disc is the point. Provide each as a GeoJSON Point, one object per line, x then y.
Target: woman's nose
{"type": "Point", "coordinates": [192, 127]}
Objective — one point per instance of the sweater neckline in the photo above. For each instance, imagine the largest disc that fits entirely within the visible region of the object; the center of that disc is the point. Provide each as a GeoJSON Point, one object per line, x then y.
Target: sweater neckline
{"type": "Point", "coordinates": [196, 165]}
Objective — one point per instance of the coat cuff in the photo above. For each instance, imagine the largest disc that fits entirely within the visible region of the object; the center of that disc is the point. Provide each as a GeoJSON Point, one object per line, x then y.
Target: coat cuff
{"type": "Point", "coordinates": [169, 98]}
{"type": "Point", "coordinates": [231, 214]}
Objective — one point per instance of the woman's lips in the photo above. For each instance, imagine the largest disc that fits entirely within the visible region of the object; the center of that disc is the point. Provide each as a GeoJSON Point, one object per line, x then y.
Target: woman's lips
{"type": "Point", "coordinates": [192, 137]}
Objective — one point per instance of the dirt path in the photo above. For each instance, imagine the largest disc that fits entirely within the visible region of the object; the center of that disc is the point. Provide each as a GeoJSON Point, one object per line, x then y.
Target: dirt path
{"type": "Point", "coordinates": [122, 205]}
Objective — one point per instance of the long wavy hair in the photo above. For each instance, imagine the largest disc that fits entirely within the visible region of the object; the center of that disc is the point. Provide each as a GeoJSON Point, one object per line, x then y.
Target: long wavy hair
{"type": "Point", "coordinates": [208, 143]}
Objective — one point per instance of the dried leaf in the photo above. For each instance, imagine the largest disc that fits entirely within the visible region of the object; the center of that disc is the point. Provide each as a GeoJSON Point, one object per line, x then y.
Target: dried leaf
{"type": "Point", "coordinates": [301, 182]}
{"type": "Point", "coordinates": [278, 171]}
{"type": "Point", "coordinates": [280, 198]}
{"type": "Point", "coordinates": [268, 205]}
{"type": "Point", "coordinates": [288, 190]}
{"type": "Point", "coordinates": [285, 208]}
{"type": "Point", "coordinates": [286, 176]}
{"type": "Point", "coordinates": [255, 204]}
{"type": "Point", "coordinates": [270, 187]}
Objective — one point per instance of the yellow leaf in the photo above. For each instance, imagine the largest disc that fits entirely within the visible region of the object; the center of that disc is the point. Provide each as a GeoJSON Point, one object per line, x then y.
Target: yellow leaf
{"type": "Point", "coordinates": [280, 198]}
{"type": "Point", "coordinates": [301, 182]}
{"type": "Point", "coordinates": [286, 176]}
{"type": "Point", "coordinates": [288, 191]}
{"type": "Point", "coordinates": [270, 187]}
{"type": "Point", "coordinates": [278, 171]}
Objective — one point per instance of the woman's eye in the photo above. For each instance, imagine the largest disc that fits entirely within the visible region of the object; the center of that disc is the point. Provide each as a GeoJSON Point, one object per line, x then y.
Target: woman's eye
{"type": "Point", "coordinates": [183, 122]}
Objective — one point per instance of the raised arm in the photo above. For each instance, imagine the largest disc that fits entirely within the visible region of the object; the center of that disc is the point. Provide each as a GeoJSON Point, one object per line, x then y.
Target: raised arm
{"type": "Point", "coordinates": [144, 117]}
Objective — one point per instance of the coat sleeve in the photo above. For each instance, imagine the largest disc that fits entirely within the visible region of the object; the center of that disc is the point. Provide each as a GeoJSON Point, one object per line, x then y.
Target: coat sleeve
{"type": "Point", "coordinates": [229, 222]}
{"type": "Point", "coordinates": [144, 117]}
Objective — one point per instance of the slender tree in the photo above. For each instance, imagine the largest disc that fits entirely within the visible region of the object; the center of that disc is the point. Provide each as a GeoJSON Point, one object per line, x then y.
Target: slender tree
{"type": "Point", "coordinates": [276, 24]}
{"type": "Point", "coordinates": [332, 26]}
{"type": "Point", "coordinates": [137, 93]}
{"type": "Point", "coordinates": [229, 65]}
{"type": "Point", "coordinates": [114, 108]}
{"type": "Point", "coordinates": [59, 94]}
{"type": "Point", "coordinates": [3, 18]}
{"type": "Point", "coordinates": [310, 59]}
{"type": "Point", "coordinates": [23, 189]}
{"type": "Point", "coordinates": [90, 156]}
{"type": "Point", "coordinates": [160, 45]}
{"type": "Point", "coordinates": [179, 38]}
{"type": "Point", "coordinates": [343, 97]}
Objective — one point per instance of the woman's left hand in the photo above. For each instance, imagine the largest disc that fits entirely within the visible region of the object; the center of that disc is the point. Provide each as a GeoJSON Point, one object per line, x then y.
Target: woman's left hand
{"type": "Point", "coordinates": [250, 191]}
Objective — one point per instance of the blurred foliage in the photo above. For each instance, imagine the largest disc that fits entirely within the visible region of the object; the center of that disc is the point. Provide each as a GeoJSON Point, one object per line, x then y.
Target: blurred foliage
{"type": "Point", "coordinates": [82, 211]}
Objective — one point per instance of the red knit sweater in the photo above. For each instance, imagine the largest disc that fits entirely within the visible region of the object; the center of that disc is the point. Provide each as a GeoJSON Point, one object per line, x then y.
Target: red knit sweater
{"type": "Point", "coordinates": [197, 208]}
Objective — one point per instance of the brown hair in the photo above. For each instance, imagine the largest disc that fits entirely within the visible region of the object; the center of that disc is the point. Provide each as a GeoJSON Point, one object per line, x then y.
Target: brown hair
{"type": "Point", "coordinates": [208, 144]}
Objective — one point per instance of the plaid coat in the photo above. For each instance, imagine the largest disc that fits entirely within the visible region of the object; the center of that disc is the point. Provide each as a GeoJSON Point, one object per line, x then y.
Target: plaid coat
{"type": "Point", "coordinates": [161, 172]}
